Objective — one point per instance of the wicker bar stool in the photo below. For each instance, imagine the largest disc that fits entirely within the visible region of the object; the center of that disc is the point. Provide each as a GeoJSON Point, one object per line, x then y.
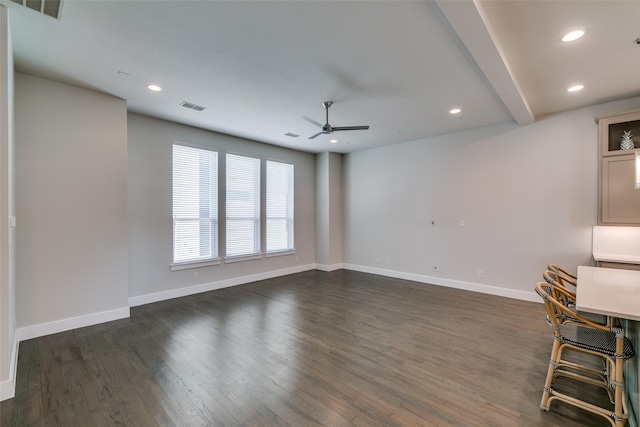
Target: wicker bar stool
{"type": "Point", "coordinates": [563, 274]}
{"type": "Point", "coordinates": [587, 337]}
{"type": "Point", "coordinates": [568, 297]}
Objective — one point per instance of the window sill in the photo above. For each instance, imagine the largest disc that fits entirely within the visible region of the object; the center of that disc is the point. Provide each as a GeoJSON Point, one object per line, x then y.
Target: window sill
{"type": "Point", "coordinates": [238, 258]}
{"type": "Point", "coordinates": [195, 264]}
{"type": "Point", "coordinates": [280, 253]}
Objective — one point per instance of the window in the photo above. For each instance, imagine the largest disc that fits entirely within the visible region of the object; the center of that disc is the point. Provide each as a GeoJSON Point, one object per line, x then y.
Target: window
{"type": "Point", "coordinates": [195, 204]}
{"type": "Point", "coordinates": [243, 205]}
{"type": "Point", "coordinates": [279, 206]}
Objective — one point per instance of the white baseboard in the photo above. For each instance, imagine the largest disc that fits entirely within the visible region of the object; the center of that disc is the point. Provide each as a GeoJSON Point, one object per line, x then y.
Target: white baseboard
{"type": "Point", "coordinates": [63, 325]}
{"type": "Point", "coordinates": [212, 286]}
{"type": "Point", "coordinates": [8, 387]}
{"type": "Point", "coordinates": [332, 267]}
{"type": "Point", "coordinates": [457, 284]}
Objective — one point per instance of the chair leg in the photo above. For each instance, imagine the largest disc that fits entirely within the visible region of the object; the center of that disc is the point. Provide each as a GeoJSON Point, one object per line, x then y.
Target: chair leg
{"type": "Point", "coordinates": [553, 362]}
{"type": "Point", "coordinates": [618, 393]}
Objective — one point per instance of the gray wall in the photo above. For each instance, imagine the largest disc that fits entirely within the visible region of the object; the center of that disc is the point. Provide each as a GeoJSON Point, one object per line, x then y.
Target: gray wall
{"type": "Point", "coordinates": [150, 212]}
{"type": "Point", "coordinates": [527, 196]}
{"type": "Point", "coordinates": [71, 202]}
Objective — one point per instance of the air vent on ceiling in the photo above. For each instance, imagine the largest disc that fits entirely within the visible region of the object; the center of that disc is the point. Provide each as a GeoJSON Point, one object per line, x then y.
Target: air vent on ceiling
{"type": "Point", "coordinates": [192, 106]}
{"type": "Point", "coordinates": [52, 8]}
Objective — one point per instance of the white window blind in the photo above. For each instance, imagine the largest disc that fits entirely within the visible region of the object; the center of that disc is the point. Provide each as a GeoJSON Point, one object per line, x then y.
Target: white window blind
{"type": "Point", "coordinates": [279, 206]}
{"type": "Point", "coordinates": [243, 205]}
{"type": "Point", "coordinates": [195, 204]}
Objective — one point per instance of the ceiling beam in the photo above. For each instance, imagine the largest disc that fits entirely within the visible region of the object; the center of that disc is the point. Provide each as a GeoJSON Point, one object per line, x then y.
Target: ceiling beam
{"type": "Point", "coordinates": [468, 20]}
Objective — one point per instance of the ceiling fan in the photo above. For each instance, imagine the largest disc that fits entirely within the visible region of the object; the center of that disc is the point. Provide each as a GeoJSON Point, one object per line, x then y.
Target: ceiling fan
{"type": "Point", "coordinates": [327, 128]}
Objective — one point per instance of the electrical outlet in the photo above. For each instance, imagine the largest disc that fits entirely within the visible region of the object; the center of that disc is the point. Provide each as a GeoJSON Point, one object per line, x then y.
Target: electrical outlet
{"type": "Point", "coordinates": [297, 259]}
{"type": "Point", "coordinates": [435, 268]}
{"type": "Point", "coordinates": [377, 260]}
{"type": "Point", "coordinates": [195, 275]}
{"type": "Point", "coordinates": [480, 273]}
{"type": "Point", "coordinates": [388, 261]}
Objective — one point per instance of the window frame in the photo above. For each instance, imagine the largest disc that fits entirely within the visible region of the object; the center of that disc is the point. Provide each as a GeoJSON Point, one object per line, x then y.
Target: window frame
{"type": "Point", "coordinates": [290, 211]}
{"type": "Point", "coordinates": [257, 219]}
{"type": "Point", "coordinates": [213, 190]}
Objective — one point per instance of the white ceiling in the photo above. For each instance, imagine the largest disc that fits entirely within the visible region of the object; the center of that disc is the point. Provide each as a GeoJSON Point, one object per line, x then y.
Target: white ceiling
{"type": "Point", "coordinates": [398, 66]}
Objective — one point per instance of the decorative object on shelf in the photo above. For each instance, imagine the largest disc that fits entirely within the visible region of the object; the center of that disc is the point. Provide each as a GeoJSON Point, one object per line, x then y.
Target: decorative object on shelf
{"type": "Point", "coordinates": [627, 142]}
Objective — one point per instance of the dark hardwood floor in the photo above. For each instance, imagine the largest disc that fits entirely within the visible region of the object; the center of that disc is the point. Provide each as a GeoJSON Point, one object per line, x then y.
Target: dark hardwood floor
{"type": "Point", "coordinates": [315, 348]}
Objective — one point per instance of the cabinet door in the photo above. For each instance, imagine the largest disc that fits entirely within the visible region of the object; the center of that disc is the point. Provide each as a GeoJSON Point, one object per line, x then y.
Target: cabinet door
{"type": "Point", "coordinates": [620, 201]}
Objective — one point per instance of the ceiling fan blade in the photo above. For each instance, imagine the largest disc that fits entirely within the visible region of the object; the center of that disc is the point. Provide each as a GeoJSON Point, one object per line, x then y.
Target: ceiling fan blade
{"type": "Point", "coordinates": [350, 128]}
{"type": "Point", "coordinates": [310, 120]}
{"type": "Point", "coordinates": [327, 128]}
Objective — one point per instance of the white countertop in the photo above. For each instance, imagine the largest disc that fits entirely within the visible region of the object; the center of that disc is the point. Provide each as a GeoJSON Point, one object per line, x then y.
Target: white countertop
{"type": "Point", "coordinates": [609, 291]}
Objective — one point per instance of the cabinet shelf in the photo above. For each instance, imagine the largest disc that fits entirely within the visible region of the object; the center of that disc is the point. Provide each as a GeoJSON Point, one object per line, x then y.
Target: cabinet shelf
{"type": "Point", "coordinates": [611, 128]}
{"type": "Point", "coordinates": [615, 135]}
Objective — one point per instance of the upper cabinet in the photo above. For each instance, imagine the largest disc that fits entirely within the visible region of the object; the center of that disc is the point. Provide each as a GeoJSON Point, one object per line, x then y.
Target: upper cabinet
{"type": "Point", "coordinates": [618, 200]}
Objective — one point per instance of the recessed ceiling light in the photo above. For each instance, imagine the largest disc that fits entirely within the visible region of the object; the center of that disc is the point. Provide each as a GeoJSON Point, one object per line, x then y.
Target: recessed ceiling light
{"type": "Point", "coordinates": [154, 87]}
{"type": "Point", "coordinates": [334, 141]}
{"type": "Point", "coordinates": [575, 88]}
{"type": "Point", "coordinates": [455, 111]}
{"type": "Point", "coordinates": [573, 35]}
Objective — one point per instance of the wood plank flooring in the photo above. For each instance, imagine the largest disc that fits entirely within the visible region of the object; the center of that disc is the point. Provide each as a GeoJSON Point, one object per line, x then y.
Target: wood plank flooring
{"type": "Point", "coordinates": [314, 348]}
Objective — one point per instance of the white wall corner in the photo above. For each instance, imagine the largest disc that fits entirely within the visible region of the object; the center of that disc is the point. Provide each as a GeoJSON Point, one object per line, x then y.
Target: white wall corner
{"type": "Point", "coordinates": [332, 267]}
{"type": "Point", "coordinates": [8, 387]}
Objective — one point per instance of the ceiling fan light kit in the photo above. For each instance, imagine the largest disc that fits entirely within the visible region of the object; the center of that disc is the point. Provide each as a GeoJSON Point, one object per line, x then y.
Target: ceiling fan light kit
{"type": "Point", "coordinates": [327, 128]}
